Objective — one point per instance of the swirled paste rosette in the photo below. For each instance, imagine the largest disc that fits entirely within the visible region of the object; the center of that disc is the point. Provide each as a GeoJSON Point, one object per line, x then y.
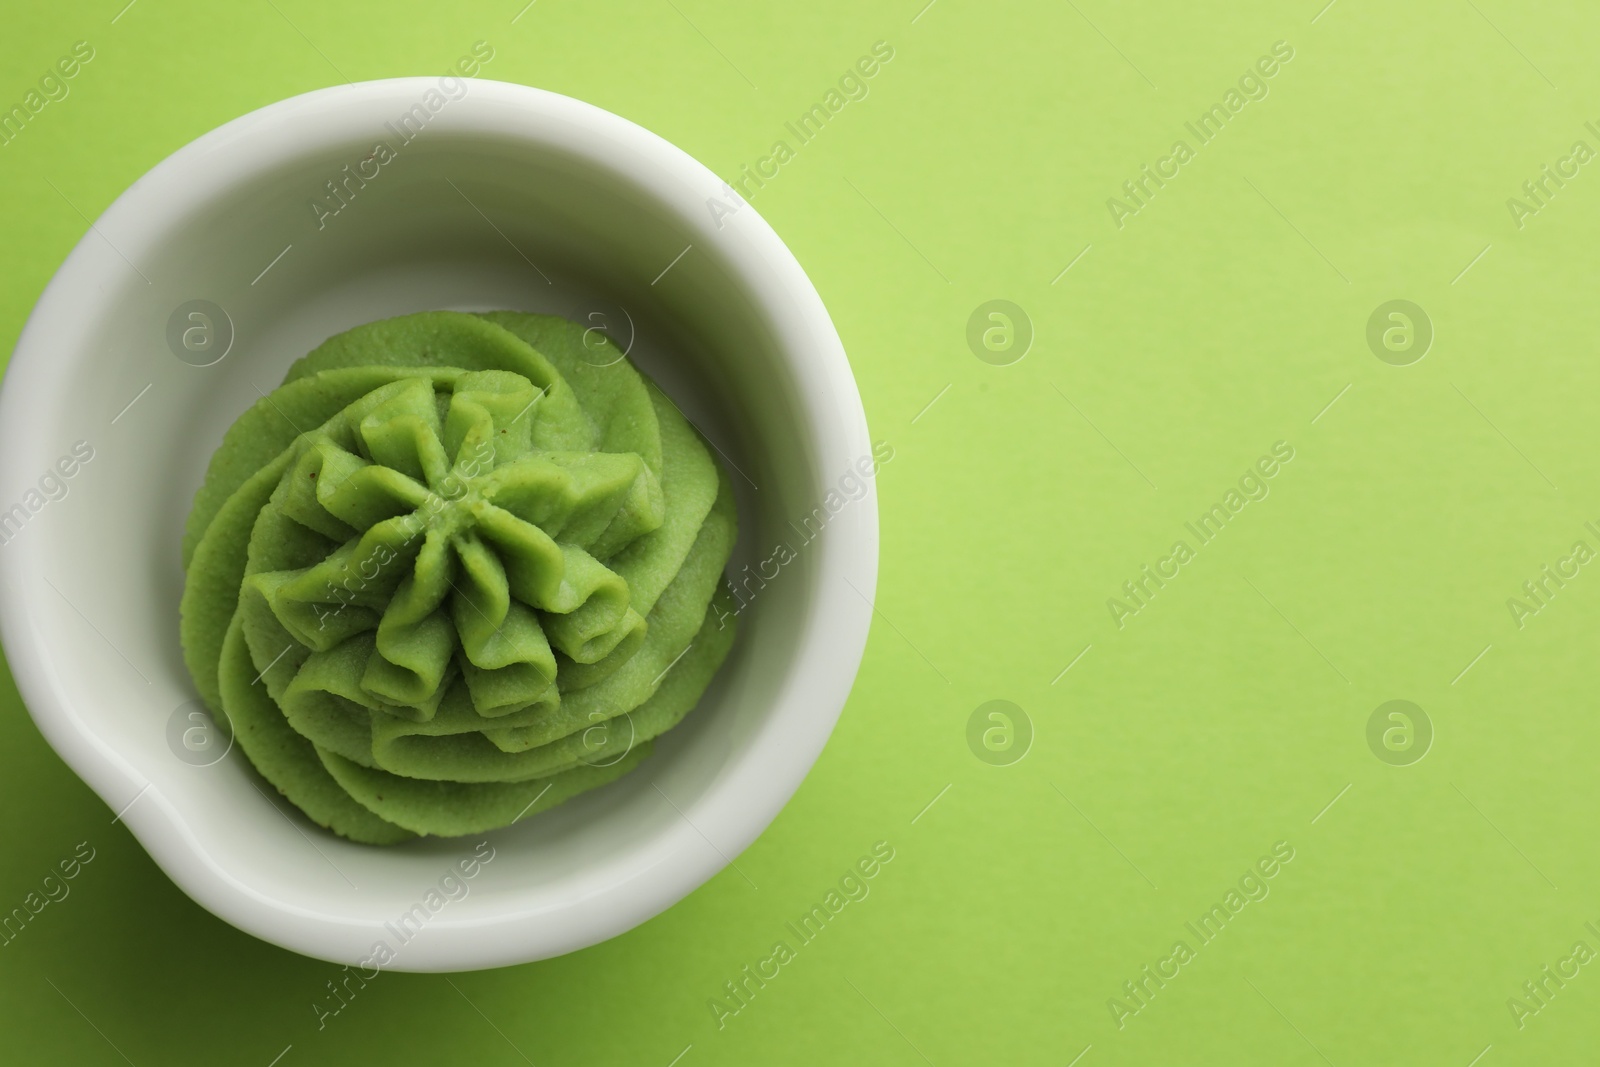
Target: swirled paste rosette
{"type": "Point", "coordinates": [456, 570]}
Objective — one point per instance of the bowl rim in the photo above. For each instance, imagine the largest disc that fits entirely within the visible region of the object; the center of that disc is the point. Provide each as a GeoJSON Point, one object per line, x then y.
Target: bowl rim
{"type": "Point", "coordinates": [735, 808]}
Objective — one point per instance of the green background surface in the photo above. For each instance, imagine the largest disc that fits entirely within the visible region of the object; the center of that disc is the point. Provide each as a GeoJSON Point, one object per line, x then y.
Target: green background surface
{"type": "Point", "coordinates": [1230, 713]}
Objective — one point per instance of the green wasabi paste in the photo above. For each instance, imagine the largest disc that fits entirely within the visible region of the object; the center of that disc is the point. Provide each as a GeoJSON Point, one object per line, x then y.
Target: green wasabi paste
{"type": "Point", "coordinates": [455, 570]}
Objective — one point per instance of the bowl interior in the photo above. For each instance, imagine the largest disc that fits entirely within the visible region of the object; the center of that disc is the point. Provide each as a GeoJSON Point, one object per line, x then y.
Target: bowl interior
{"type": "Point", "coordinates": [297, 225]}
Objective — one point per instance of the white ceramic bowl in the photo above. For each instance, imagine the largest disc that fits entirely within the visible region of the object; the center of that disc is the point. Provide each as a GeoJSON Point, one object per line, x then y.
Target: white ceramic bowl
{"type": "Point", "coordinates": [508, 197]}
